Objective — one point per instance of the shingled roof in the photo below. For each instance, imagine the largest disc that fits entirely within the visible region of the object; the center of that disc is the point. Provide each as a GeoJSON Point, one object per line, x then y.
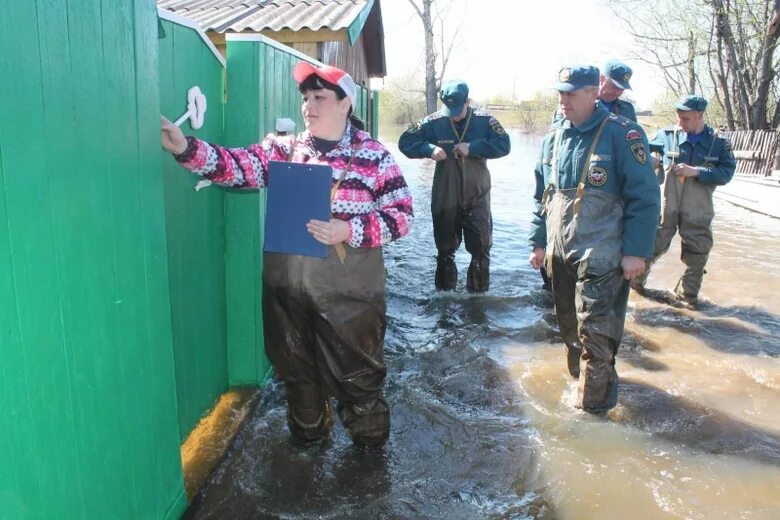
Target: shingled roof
{"type": "Point", "coordinates": [350, 17]}
{"type": "Point", "coordinates": [275, 15]}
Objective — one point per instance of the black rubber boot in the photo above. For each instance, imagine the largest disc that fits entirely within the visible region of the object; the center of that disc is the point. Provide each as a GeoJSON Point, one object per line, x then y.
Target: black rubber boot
{"type": "Point", "coordinates": [478, 279]}
{"type": "Point", "coordinates": [446, 274]}
{"type": "Point", "coordinates": [546, 286]}
{"type": "Point", "coordinates": [367, 423]}
{"type": "Point", "coordinates": [309, 412]}
{"type": "Point", "coordinates": [573, 356]}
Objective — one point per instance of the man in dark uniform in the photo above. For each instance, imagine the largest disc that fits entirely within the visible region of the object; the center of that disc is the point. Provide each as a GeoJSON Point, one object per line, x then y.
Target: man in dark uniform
{"type": "Point", "coordinates": [695, 161]}
{"type": "Point", "coordinates": [596, 211]}
{"type": "Point", "coordinates": [460, 139]}
{"type": "Point", "coordinates": [612, 82]}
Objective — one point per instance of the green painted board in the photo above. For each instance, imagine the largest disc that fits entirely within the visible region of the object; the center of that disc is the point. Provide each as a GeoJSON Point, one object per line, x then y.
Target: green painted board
{"type": "Point", "coordinates": [90, 429]}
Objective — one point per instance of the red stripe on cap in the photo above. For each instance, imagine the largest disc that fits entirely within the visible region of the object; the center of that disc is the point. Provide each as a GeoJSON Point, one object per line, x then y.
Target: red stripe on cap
{"type": "Point", "coordinates": [304, 69]}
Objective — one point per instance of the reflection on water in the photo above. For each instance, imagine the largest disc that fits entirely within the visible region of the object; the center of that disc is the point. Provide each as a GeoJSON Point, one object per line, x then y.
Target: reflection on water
{"type": "Point", "coordinates": [482, 406]}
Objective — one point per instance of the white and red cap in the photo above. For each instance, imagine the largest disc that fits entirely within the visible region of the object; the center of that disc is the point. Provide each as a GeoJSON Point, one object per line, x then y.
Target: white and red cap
{"type": "Point", "coordinates": [304, 69]}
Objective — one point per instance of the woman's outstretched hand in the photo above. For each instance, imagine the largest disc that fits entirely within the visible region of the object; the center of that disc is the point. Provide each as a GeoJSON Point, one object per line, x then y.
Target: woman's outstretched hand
{"type": "Point", "coordinates": [330, 233]}
{"type": "Point", "coordinates": [173, 139]}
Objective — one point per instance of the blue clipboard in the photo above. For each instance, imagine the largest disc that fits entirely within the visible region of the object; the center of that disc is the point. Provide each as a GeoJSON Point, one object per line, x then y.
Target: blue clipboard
{"type": "Point", "coordinates": [297, 193]}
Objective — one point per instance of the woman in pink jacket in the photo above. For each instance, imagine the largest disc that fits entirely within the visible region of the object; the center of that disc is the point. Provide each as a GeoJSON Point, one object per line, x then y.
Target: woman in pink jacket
{"type": "Point", "coordinates": [324, 318]}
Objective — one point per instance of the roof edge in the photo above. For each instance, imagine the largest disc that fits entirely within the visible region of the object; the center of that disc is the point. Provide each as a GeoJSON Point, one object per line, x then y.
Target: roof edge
{"type": "Point", "coordinates": [187, 22]}
{"type": "Point", "coordinates": [356, 27]}
{"type": "Point", "coordinates": [256, 37]}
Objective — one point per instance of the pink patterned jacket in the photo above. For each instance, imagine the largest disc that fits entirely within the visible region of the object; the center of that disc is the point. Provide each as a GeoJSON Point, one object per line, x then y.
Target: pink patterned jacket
{"type": "Point", "coordinates": [373, 197]}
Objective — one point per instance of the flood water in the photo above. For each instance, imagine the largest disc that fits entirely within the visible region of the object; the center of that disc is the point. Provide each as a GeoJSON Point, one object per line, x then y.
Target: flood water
{"type": "Point", "coordinates": [483, 422]}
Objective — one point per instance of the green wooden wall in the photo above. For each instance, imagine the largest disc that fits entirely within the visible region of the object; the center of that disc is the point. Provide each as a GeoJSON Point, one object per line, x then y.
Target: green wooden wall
{"type": "Point", "coordinates": [89, 426]}
{"type": "Point", "coordinates": [128, 301]}
{"type": "Point", "coordinates": [375, 118]}
{"type": "Point", "coordinates": [195, 224]}
{"type": "Point", "coordinates": [260, 89]}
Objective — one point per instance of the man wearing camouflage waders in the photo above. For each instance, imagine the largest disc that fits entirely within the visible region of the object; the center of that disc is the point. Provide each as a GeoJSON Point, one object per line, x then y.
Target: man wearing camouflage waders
{"type": "Point", "coordinates": [596, 211]}
{"type": "Point", "coordinates": [460, 140]}
{"type": "Point", "coordinates": [695, 161]}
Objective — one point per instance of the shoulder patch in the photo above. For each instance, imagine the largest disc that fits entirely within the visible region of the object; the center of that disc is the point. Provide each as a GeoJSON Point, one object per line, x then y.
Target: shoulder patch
{"type": "Point", "coordinates": [433, 117]}
{"type": "Point", "coordinates": [638, 150]}
{"type": "Point", "coordinates": [496, 126]}
{"type": "Point", "coordinates": [633, 134]}
{"type": "Point", "coordinates": [413, 128]}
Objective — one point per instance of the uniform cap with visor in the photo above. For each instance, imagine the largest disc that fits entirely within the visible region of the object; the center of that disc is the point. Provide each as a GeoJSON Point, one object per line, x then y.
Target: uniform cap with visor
{"type": "Point", "coordinates": [691, 102]}
{"type": "Point", "coordinates": [619, 73]}
{"type": "Point", "coordinates": [575, 77]}
{"type": "Point", "coordinates": [333, 75]}
{"type": "Point", "coordinates": [453, 95]}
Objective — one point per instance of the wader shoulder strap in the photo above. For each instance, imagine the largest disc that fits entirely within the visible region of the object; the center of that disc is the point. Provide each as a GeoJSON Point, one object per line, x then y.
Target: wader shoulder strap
{"type": "Point", "coordinates": [712, 144]}
{"type": "Point", "coordinates": [676, 154]}
{"type": "Point", "coordinates": [460, 136]}
{"type": "Point", "coordinates": [586, 167]}
{"type": "Point", "coordinates": [554, 174]}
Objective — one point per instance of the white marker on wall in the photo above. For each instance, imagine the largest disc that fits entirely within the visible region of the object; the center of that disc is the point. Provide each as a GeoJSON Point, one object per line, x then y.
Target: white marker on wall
{"type": "Point", "coordinates": [196, 108]}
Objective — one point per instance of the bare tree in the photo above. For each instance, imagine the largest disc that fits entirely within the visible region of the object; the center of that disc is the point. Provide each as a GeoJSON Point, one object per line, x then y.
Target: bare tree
{"type": "Point", "coordinates": [727, 49]}
{"type": "Point", "coordinates": [433, 79]}
{"type": "Point", "coordinates": [746, 34]}
{"type": "Point", "coordinates": [666, 37]}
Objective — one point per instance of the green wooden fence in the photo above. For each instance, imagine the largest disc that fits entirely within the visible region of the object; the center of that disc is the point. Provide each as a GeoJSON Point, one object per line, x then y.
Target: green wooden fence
{"type": "Point", "coordinates": [195, 225]}
{"type": "Point", "coordinates": [128, 300]}
{"type": "Point", "coordinates": [89, 426]}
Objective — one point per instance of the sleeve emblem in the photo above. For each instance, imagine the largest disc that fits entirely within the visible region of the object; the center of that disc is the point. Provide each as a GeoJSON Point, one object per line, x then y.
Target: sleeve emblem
{"type": "Point", "coordinates": [413, 128]}
{"type": "Point", "coordinates": [496, 126]}
{"type": "Point", "coordinates": [638, 149]}
{"type": "Point", "coordinates": [632, 134]}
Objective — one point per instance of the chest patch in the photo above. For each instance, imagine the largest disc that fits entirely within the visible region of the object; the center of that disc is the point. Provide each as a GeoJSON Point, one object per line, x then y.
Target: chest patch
{"type": "Point", "coordinates": [597, 176]}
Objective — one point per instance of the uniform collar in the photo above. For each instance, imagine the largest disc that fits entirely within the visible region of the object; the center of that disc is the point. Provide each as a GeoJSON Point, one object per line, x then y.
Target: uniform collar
{"type": "Point", "coordinates": [593, 121]}
{"type": "Point", "coordinates": [605, 104]}
{"type": "Point", "coordinates": [706, 136]}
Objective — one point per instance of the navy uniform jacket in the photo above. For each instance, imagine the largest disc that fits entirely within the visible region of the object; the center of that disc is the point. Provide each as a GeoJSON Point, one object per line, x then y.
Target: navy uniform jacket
{"type": "Point", "coordinates": [621, 107]}
{"type": "Point", "coordinates": [620, 165]}
{"type": "Point", "coordinates": [712, 154]}
{"type": "Point", "coordinates": [486, 137]}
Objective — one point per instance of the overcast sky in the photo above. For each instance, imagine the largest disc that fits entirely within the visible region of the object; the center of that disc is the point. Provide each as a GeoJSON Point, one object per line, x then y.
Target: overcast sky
{"type": "Point", "coordinates": [506, 45]}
